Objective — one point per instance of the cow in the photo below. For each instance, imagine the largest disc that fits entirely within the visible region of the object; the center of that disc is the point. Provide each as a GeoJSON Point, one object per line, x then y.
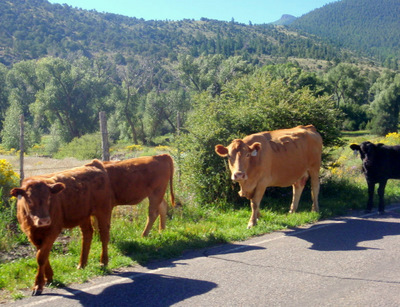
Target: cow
{"type": "Point", "coordinates": [49, 203]}
{"type": "Point", "coordinates": [379, 164]}
{"type": "Point", "coordinates": [278, 158]}
{"type": "Point", "coordinates": [133, 180]}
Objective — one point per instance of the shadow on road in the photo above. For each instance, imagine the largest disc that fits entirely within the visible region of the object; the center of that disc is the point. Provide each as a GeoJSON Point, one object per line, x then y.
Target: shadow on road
{"type": "Point", "coordinates": [347, 233]}
{"type": "Point", "coordinates": [143, 290]}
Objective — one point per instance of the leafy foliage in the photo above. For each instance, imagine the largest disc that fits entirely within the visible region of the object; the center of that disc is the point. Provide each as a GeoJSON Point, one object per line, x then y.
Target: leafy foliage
{"type": "Point", "coordinates": [82, 148]}
{"type": "Point", "coordinates": [386, 105]}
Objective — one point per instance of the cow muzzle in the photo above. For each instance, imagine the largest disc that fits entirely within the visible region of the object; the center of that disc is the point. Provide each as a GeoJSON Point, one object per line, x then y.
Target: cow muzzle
{"type": "Point", "coordinates": [239, 176]}
{"type": "Point", "coordinates": [41, 221]}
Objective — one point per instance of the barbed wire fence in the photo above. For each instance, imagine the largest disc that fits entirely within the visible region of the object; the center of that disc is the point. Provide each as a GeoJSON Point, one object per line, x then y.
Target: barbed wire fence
{"type": "Point", "coordinates": [104, 144]}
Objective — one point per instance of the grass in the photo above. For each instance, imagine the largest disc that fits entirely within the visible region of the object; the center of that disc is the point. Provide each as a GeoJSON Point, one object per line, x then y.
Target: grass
{"type": "Point", "coordinates": [343, 189]}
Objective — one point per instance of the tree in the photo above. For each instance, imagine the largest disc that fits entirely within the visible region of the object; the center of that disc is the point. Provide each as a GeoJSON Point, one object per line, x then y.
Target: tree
{"type": "Point", "coordinates": [72, 96]}
{"type": "Point", "coordinates": [347, 84]}
{"type": "Point", "coordinates": [3, 94]}
{"type": "Point", "coordinates": [211, 72]}
{"type": "Point", "coordinates": [163, 109]}
{"type": "Point", "coordinates": [349, 87]}
{"type": "Point", "coordinates": [386, 105]}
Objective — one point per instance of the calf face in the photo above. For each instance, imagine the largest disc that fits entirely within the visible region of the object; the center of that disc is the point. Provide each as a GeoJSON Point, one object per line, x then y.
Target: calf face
{"type": "Point", "coordinates": [239, 155]}
{"type": "Point", "coordinates": [34, 197]}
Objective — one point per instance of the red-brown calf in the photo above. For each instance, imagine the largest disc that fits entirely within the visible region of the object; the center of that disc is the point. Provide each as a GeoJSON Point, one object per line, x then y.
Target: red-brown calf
{"type": "Point", "coordinates": [135, 179]}
{"type": "Point", "coordinates": [48, 203]}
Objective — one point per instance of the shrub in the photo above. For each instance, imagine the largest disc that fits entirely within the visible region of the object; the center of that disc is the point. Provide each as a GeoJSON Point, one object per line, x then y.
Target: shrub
{"type": "Point", "coordinates": [392, 138]}
{"type": "Point", "coordinates": [8, 180]}
{"type": "Point", "coordinates": [83, 148]}
{"type": "Point", "coordinates": [251, 104]}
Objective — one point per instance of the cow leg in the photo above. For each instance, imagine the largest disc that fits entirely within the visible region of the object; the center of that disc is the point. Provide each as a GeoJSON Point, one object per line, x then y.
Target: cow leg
{"type": "Point", "coordinates": [381, 194]}
{"type": "Point", "coordinates": [42, 258]}
{"type": "Point", "coordinates": [298, 188]}
{"type": "Point", "coordinates": [314, 177]}
{"type": "Point", "coordinates": [48, 271]}
{"type": "Point", "coordinates": [155, 204]}
{"type": "Point", "coordinates": [370, 203]}
{"type": "Point", "coordinates": [255, 206]}
{"type": "Point", "coordinates": [104, 228]}
{"type": "Point", "coordinates": [163, 214]}
{"type": "Point", "coordinates": [87, 235]}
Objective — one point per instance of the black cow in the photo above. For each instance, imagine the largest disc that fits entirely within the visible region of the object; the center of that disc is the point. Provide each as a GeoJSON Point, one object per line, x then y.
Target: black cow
{"type": "Point", "coordinates": [380, 163]}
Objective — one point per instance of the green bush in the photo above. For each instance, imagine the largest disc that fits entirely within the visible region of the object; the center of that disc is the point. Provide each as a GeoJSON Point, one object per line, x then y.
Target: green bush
{"type": "Point", "coordinates": [8, 180]}
{"type": "Point", "coordinates": [251, 104]}
{"type": "Point", "coordinates": [83, 148]}
{"type": "Point", "coordinates": [8, 220]}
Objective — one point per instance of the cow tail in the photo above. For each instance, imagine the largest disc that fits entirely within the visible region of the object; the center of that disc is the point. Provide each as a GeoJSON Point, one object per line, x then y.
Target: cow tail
{"type": "Point", "coordinates": [171, 176]}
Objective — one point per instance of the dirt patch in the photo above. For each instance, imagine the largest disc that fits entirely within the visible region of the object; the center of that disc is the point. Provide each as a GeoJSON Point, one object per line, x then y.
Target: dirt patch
{"type": "Point", "coordinates": [29, 251]}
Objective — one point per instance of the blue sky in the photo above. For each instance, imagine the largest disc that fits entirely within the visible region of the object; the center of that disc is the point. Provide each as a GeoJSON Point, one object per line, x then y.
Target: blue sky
{"type": "Point", "coordinates": [243, 11]}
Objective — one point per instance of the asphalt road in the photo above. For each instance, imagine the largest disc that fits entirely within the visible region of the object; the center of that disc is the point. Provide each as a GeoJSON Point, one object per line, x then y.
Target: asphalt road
{"type": "Point", "coordinates": [347, 261]}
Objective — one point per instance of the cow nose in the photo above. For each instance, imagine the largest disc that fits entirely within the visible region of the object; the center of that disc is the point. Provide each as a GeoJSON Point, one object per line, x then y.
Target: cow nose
{"type": "Point", "coordinates": [42, 221]}
{"type": "Point", "coordinates": [238, 176]}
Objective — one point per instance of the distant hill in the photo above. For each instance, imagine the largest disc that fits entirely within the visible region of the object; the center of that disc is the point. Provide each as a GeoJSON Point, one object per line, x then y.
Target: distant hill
{"type": "Point", "coordinates": [285, 20]}
{"type": "Point", "coordinates": [368, 26]}
{"type": "Point", "coordinates": [30, 29]}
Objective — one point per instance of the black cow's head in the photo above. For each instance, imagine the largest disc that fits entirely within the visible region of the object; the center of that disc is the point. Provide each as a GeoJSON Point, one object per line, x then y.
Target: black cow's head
{"type": "Point", "coordinates": [367, 151]}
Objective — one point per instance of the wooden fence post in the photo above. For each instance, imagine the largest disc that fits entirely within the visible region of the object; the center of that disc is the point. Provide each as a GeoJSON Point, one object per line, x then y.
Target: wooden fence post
{"type": "Point", "coordinates": [21, 148]}
{"type": "Point", "coordinates": [104, 136]}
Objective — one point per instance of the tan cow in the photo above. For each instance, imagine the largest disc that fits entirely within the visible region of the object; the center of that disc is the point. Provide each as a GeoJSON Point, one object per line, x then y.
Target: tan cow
{"type": "Point", "coordinates": [277, 158]}
{"type": "Point", "coordinates": [48, 203]}
{"type": "Point", "coordinates": [135, 179]}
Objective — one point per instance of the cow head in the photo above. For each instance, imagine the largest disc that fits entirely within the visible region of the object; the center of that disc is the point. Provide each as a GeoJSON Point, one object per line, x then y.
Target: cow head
{"type": "Point", "coordinates": [35, 197]}
{"type": "Point", "coordinates": [367, 151]}
{"type": "Point", "coordinates": [239, 157]}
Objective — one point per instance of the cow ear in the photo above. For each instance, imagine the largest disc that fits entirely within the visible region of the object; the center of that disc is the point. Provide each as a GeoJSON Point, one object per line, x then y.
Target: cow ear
{"type": "Point", "coordinates": [355, 147]}
{"type": "Point", "coordinates": [17, 192]}
{"type": "Point", "coordinates": [57, 187]}
{"type": "Point", "coordinates": [255, 148]}
{"type": "Point", "coordinates": [221, 150]}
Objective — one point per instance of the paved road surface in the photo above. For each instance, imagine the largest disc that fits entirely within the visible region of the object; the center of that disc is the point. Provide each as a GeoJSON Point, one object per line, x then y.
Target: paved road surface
{"type": "Point", "coordinates": [348, 261]}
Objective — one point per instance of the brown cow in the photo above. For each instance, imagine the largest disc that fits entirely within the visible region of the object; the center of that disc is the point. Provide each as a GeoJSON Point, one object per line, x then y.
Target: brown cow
{"type": "Point", "coordinates": [277, 158]}
{"type": "Point", "coordinates": [135, 179]}
{"type": "Point", "coordinates": [48, 203]}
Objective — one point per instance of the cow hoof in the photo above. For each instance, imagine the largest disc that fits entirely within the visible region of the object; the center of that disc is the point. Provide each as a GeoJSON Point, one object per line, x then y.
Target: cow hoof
{"type": "Point", "coordinates": [37, 292]}
{"type": "Point", "coordinates": [251, 225]}
{"type": "Point", "coordinates": [381, 212]}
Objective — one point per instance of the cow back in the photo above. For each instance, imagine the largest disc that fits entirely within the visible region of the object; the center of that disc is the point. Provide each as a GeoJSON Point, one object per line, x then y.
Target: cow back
{"type": "Point", "coordinates": [133, 180]}
{"type": "Point", "coordinates": [285, 154]}
{"type": "Point", "coordinates": [87, 191]}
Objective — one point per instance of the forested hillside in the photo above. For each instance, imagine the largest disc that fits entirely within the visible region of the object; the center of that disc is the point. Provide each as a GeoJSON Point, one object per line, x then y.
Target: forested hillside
{"type": "Point", "coordinates": [369, 26]}
{"type": "Point", "coordinates": [31, 29]}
